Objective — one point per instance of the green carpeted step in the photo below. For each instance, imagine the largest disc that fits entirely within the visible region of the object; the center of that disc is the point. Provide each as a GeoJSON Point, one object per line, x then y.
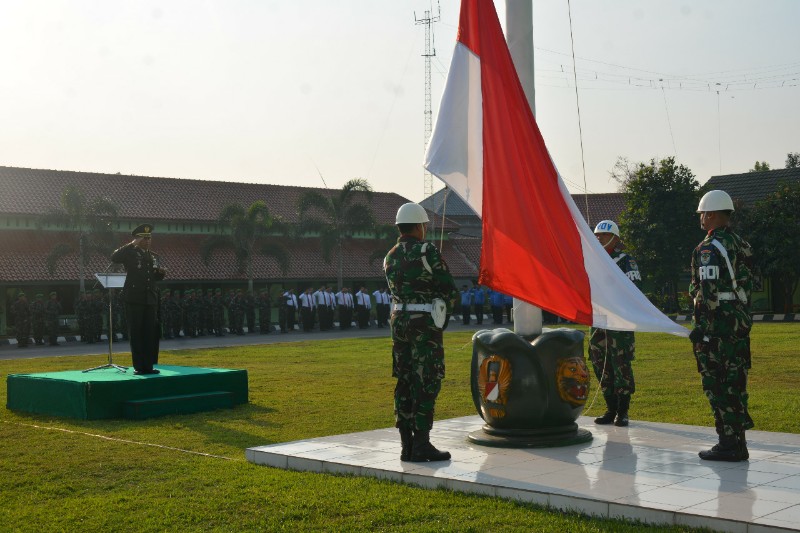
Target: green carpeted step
{"type": "Point", "coordinates": [179, 404]}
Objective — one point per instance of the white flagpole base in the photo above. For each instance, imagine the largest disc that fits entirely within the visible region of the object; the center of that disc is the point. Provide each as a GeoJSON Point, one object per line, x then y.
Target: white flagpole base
{"type": "Point", "coordinates": [527, 319]}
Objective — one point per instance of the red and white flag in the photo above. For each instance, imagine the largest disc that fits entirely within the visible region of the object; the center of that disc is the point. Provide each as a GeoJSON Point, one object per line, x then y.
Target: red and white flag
{"type": "Point", "coordinates": [536, 246]}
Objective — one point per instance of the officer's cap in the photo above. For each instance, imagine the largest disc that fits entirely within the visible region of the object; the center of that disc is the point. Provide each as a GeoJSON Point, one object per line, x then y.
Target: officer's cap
{"type": "Point", "coordinates": [39, 295]}
{"type": "Point", "coordinates": [143, 230]}
{"type": "Point", "coordinates": [53, 293]}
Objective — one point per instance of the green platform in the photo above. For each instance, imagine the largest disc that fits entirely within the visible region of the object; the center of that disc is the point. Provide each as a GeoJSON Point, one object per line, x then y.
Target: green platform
{"type": "Point", "coordinates": [108, 393]}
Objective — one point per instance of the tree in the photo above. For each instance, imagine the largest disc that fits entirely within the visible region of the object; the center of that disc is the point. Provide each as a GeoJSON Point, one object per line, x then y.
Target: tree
{"type": "Point", "coordinates": [772, 227]}
{"type": "Point", "coordinates": [90, 220]}
{"type": "Point", "coordinates": [760, 166]}
{"type": "Point", "coordinates": [336, 218]}
{"type": "Point", "coordinates": [659, 224]}
{"type": "Point", "coordinates": [793, 160]}
{"type": "Point", "coordinates": [247, 232]}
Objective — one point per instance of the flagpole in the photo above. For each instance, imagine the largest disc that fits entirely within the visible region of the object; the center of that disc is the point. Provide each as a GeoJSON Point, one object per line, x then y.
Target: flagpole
{"type": "Point", "coordinates": [519, 35]}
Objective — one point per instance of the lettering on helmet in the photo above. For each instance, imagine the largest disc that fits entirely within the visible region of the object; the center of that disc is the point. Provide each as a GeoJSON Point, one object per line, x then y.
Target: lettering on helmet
{"type": "Point", "coordinates": [709, 272]}
{"type": "Point", "coordinates": [604, 226]}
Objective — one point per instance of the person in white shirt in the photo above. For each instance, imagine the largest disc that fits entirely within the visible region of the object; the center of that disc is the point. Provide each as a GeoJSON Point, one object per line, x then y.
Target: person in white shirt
{"type": "Point", "coordinates": [307, 310]}
{"type": "Point", "coordinates": [363, 306]}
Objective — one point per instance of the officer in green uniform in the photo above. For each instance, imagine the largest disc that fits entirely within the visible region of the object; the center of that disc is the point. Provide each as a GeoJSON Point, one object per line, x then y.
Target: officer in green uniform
{"type": "Point", "coordinates": [423, 291]}
{"type": "Point", "coordinates": [141, 297]}
{"type": "Point", "coordinates": [611, 352]}
{"type": "Point", "coordinates": [720, 286]}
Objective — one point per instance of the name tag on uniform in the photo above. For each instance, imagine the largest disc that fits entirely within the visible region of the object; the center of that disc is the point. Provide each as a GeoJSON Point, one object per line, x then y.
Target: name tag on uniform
{"type": "Point", "coordinates": [709, 272]}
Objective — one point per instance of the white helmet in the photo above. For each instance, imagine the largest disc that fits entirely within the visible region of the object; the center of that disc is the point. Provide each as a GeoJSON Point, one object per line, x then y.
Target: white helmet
{"type": "Point", "coordinates": [715, 201]}
{"type": "Point", "coordinates": [411, 213]}
{"type": "Point", "coordinates": [607, 226]}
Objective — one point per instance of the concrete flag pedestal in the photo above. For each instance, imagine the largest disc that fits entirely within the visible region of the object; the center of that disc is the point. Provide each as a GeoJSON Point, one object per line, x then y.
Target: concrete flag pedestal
{"type": "Point", "coordinates": [529, 390]}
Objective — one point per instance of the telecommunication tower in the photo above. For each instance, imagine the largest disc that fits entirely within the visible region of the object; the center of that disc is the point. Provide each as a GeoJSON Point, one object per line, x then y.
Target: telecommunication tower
{"type": "Point", "coordinates": [430, 51]}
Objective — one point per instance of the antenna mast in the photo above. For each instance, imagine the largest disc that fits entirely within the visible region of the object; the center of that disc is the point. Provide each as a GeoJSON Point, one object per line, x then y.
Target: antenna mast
{"type": "Point", "coordinates": [430, 51]}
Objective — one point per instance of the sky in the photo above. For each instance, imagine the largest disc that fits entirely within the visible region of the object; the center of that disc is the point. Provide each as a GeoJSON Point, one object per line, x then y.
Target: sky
{"type": "Point", "coordinates": [315, 93]}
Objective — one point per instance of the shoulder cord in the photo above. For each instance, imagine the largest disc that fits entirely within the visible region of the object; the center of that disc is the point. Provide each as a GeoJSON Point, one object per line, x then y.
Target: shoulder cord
{"type": "Point", "coordinates": [724, 253]}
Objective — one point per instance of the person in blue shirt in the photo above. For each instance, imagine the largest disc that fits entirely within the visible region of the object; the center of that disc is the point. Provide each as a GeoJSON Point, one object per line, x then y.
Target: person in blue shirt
{"type": "Point", "coordinates": [478, 300]}
{"type": "Point", "coordinates": [496, 300]}
{"type": "Point", "coordinates": [466, 304]}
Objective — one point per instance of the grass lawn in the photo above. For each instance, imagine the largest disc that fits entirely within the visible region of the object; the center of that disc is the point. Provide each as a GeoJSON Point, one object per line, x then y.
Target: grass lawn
{"type": "Point", "coordinates": [120, 475]}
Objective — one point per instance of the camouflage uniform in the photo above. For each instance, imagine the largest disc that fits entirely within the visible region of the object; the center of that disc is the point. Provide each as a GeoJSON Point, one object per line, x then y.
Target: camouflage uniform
{"type": "Point", "coordinates": [264, 312]}
{"type": "Point", "coordinates": [166, 323]}
{"type": "Point", "coordinates": [21, 311]}
{"type": "Point", "coordinates": [37, 319]}
{"type": "Point", "coordinates": [52, 309]}
{"type": "Point", "coordinates": [614, 350]}
{"type": "Point", "coordinates": [249, 308]}
{"type": "Point", "coordinates": [218, 313]}
{"type": "Point", "coordinates": [417, 350]}
{"type": "Point", "coordinates": [723, 316]}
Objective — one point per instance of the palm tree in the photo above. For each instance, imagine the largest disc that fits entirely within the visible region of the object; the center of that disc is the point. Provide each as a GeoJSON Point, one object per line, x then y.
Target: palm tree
{"type": "Point", "coordinates": [249, 233]}
{"type": "Point", "coordinates": [337, 217]}
{"type": "Point", "coordinates": [90, 219]}
{"type": "Point", "coordinates": [386, 237]}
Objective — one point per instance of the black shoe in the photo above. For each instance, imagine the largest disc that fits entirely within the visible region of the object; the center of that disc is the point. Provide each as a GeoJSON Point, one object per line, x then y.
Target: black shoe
{"type": "Point", "coordinates": [146, 372]}
{"type": "Point", "coordinates": [728, 449]}
{"type": "Point", "coordinates": [407, 439]}
{"type": "Point", "coordinates": [422, 451]}
{"type": "Point", "coordinates": [623, 403]}
{"type": "Point", "coordinates": [611, 411]}
{"type": "Point", "coordinates": [743, 451]}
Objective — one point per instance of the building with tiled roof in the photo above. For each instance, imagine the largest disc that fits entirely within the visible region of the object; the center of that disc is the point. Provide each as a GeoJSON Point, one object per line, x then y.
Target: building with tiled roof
{"type": "Point", "coordinates": [606, 206]}
{"type": "Point", "coordinates": [184, 214]}
{"type": "Point", "coordinates": [750, 187]}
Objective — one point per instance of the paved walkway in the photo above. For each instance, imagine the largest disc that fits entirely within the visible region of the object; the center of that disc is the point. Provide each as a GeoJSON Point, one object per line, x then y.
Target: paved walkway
{"type": "Point", "coordinates": [648, 471]}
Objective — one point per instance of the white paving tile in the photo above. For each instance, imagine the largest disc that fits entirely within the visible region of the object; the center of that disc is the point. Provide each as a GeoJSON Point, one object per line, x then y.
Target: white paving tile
{"type": "Point", "coordinates": [648, 472]}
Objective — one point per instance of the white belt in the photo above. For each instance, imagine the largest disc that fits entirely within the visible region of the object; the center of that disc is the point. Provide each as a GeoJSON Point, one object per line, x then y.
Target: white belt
{"type": "Point", "coordinates": [425, 308]}
{"type": "Point", "coordinates": [723, 296]}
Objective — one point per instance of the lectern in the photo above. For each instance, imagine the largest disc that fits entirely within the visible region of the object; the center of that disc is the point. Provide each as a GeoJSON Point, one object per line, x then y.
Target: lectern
{"type": "Point", "coordinates": [110, 281]}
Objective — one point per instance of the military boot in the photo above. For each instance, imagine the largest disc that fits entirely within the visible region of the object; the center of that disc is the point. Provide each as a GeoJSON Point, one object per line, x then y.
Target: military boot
{"type": "Point", "coordinates": [407, 439]}
{"type": "Point", "coordinates": [611, 411]}
{"type": "Point", "coordinates": [622, 410]}
{"type": "Point", "coordinates": [728, 449]}
{"type": "Point", "coordinates": [743, 446]}
{"type": "Point", "coordinates": [423, 451]}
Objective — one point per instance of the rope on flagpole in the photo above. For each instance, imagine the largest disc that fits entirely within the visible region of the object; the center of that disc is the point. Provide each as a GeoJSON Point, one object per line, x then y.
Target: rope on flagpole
{"type": "Point", "coordinates": [578, 103]}
{"type": "Point", "coordinates": [444, 209]}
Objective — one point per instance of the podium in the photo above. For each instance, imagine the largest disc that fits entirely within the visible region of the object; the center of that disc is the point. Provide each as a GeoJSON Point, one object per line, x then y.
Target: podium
{"type": "Point", "coordinates": [110, 281]}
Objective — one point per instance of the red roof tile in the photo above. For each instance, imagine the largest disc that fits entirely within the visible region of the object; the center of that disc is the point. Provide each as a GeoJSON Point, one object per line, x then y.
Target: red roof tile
{"type": "Point", "coordinates": [34, 192]}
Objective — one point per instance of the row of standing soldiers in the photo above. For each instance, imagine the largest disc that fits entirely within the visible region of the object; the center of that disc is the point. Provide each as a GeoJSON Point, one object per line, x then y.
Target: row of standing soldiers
{"type": "Point", "coordinates": [39, 318]}
{"type": "Point", "coordinates": [195, 313]}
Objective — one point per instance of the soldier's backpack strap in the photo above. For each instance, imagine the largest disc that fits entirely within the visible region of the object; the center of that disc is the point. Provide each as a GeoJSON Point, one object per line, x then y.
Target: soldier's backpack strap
{"type": "Point", "coordinates": [425, 258]}
{"type": "Point", "coordinates": [724, 253]}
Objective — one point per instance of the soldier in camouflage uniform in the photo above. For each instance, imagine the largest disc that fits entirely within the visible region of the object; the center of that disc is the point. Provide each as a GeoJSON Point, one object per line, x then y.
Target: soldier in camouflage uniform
{"type": "Point", "coordinates": [99, 311]}
{"type": "Point", "coordinates": [264, 312]}
{"type": "Point", "coordinates": [166, 323]}
{"type": "Point", "coordinates": [37, 319]}
{"type": "Point", "coordinates": [190, 313]}
{"type": "Point", "coordinates": [21, 311]}
{"type": "Point", "coordinates": [611, 352]}
{"type": "Point", "coordinates": [721, 285]}
{"type": "Point", "coordinates": [249, 304]}
{"type": "Point", "coordinates": [52, 309]}
{"type": "Point", "coordinates": [417, 275]}
{"type": "Point", "coordinates": [120, 317]}
{"type": "Point", "coordinates": [218, 313]}
{"type": "Point", "coordinates": [209, 302]}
